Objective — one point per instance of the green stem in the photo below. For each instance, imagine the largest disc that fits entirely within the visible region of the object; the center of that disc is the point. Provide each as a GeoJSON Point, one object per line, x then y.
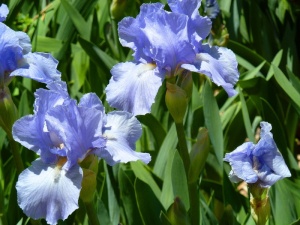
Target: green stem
{"type": "Point", "coordinates": [17, 156]}
{"type": "Point", "coordinates": [193, 191]}
{"type": "Point", "coordinates": [183, 150]}
{"type": "Point", "coordinates": [194, 203]}
{"type": "Point", "coordinates": [92, 214]}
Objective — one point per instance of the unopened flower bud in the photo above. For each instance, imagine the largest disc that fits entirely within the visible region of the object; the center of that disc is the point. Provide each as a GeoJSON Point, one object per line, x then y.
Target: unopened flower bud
{"type": "Point", "coordinates": [117, 8]}
{"type": "Point", "coordinates": [89, 183]}
{"type": "Point", "coordinates": [176, 101]}
{"type": "Point", "coordinates": [8, 111]}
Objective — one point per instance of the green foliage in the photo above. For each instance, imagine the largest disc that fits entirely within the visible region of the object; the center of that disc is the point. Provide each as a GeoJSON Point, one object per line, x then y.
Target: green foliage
{"type": "Point", "coordinates": [82, 35]}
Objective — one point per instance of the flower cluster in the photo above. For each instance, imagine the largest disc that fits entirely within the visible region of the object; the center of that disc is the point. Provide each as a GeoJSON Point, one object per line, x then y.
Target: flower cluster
{"type": "Point", "coordinates": [164, 44]}
{"type": "Point", "coordinates": [62, 132]}
{"type": "Point", "coordinates": [16, 58]}
{"type": "Point", "coordinates": [260, 163]}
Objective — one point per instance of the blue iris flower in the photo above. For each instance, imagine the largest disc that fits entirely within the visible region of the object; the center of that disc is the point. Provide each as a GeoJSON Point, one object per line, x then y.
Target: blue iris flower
{"type": "Point", "coordinates": [164, 44]}
{"type": "Point", "coordinates": [63, 133]}
{"type": "Point", "coordinates": [260, 163]}
{"type": "Point", "coordinates": [16, 58]}
{"type": "Point", "coordinates": [3, 12]}
{"type": "Point", "coordinates": [212, 8]}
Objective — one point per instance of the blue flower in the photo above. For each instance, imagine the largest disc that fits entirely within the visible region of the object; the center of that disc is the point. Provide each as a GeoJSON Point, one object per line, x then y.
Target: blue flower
{"type": "Point", "coordinates": [16, 58]}
{"type": "Point", "coordinates": [212, 8]}
{"type": "Point", "coordinates": [63, 133]}
{"type": "Point", "coordinates": [3, 12]}
{"type": "Point", "coordinates": [260, 163]}
{"type": "Point", "coordinates": [164, 44]}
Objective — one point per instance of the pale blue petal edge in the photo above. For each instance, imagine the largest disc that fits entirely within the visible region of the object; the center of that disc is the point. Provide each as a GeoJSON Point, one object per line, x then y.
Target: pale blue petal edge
{"type": "Point", "coordinates": [133, 87]}
{"type": "Point", "coordinates": [121, 132]}
{"type": "Point", "coordinates": [46, 191]}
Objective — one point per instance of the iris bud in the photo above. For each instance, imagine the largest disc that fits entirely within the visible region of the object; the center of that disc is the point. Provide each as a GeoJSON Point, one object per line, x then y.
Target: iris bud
{"type": "Point", "coordinates": [8, 111]}
{"type": "Point", "coordinates": [89, 183]}
{"type": "Point", "coordinates": [117, 8]}
{"type": "Point", "coordinates": [176, 101]}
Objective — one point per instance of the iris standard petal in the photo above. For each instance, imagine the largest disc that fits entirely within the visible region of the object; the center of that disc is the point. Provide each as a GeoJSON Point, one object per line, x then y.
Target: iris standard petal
{"type": "Point", "coordinates": [10, 50]}
{"type": "Point", "coordinates": [3, 12]}
{"type": "Point", "coordinates": [130, 32]}
{"type": "Point", "coordinates": [31, 131]}
{"type": "Point", "coordinates": [121, 132]}
{"type": "Point", "coordinates": [169, 43]}
{"type": "Point", "coordinates": [91, 100]}
{"type": "Point", "coordinates": [198, 26]}
{"type": "Point", "coordinates": [40, 67]}
{"type": "Point", "coordinates": [267, 151]}
{"type": "Point", "coordinates": [241, 163]}
{"type": "Point", "coordinates": [78, 128]}
{"type": "Point", "coordinates": [133, 87]}
{"type": "Point", "coordinates": [189, 8]}
{"type": "Point", "coordinates": [212, 8]}
{"type": "Point", "coordinates": [219, 64]}
{"type": "Point", "coordinates": [24, 42]}
{"type": "Point", "coordinates": [28, 131]}
{"type": "Point", "coordinates": [48, 191]}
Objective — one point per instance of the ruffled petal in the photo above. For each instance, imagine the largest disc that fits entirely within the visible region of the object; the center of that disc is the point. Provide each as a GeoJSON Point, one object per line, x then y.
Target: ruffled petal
{"type": "Point", "coordinates": [48, 191]}
{"type": "Point", "coordinates": [3, 12]}
{"type": "Point", "coordinates": [133, 87]}
{"type": "Point", "coordinates": [219, 64]}
{"type": "Point", "coordinates": [130, 32]}
{"type": "Point", "coordinates": [28, 131]}
{"type": "Point", "coordinates": [10, 50]}
{"type": "Point", "coordinates": [122, 131]}
{"type": "Point", "coordinates": [212, 8]}
{"type": "Point", "coordinates": [91, 100]}
{"type": "Point", "coordinates": [169, 40]}
{"type": "Point", "coordinates": [241, 163]}
{"type": "Point", "coordinates": [40, 67]}
{"type": "Point", "coordinates": [77, 128]}
{"type": "Point", "coordinates": [198, 26]}
{"type": "Point", "coordinates": [24, 42]}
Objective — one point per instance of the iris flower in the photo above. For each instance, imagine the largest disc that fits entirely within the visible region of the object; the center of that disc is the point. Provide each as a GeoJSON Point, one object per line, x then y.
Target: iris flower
{"type": "Point", "coordinates": [164, 44]}
{"type": "Point", "coordinates": [212, 8]}
{"type": "Point", "coordinates": [63, 133]}
{"type": "Point", "coordinates": [16, 58]}
{"type": "Point", "coordinates": [260, 163]}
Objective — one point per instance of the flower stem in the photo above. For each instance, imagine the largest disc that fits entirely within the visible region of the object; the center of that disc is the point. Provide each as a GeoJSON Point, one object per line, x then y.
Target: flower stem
{"type": "Point", "coordinates": [183, 150]}
{"type": "Point", "coordinates": [92, 214]}
{"type": "Point", "coordinates": [193, 191]}
{"type": "Point", "coordinates": [17, 156]}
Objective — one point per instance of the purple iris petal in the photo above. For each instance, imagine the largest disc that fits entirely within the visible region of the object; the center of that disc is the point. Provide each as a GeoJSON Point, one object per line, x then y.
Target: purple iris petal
{"type": "Point", "coordinates": [3, 12]}
{"type": "Point", "coordinates": [219, 64]}
{"type": "Point", "coordinates": [261, 163]}
{"type": "Point", "coordinates": [241, 163]}
{"type": "Point", "coordinates": [16, 58]}
{"type": "Point", "coordinates": [121, 131]}
{"type": "Point", "coordinates": [77, 129]}
{"type": "Point", "coordinates": [91, 100]}
{"type": "Point", "coordinates": [10, 52]}
{"type": "Point", "coordinates": [198, 26]}
{"type": "Point", "coordinates": [130, 32]}
{"type": "Point", "coordinates": [40, 67]}
{"type": "Point", "coordinates": [133, 87]}
{"type": "Point", "coordinates": [48, 191]}
{"type": "Point", "coordinates": [169, 43]}
{"type": "Point", "coordinates": [212, 8]}
{"type": "Point", "coordinates": [30, 130]}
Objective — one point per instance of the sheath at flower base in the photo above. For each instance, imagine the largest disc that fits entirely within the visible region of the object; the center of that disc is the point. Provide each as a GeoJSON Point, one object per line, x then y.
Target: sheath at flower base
{"type": "Point", "coordinates": [16, 58]}
{"type": "Point", "coordinates": [63, 133]}
{"type": "Point", "coordinates": [261, 164]}
{"type": "Point", "coordinates": [164, 44]}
